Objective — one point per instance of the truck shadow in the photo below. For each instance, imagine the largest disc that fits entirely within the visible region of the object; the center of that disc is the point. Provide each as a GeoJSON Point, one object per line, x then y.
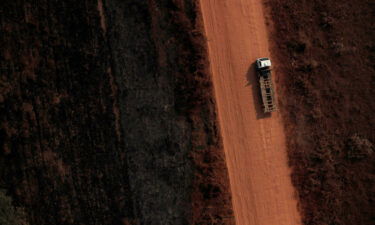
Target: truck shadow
{"type": "Point", "coordinates": [252, 80]}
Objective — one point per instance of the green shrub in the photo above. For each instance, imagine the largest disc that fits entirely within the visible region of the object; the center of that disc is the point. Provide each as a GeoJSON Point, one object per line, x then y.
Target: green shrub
{"type": "Point", "coordinates": [10, 215]}
{"type": "Point", "coordinates": [359, 147]}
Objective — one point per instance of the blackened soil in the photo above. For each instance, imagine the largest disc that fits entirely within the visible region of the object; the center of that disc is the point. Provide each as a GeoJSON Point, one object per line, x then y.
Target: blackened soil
{"type": "Point", "coordinates": [107, 114]}
{"type": "Point", "coordinates": [325, 52]}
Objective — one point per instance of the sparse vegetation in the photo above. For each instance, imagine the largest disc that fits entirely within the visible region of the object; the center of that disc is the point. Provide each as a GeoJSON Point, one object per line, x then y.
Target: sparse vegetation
{"type": "Point", "coordinates": [327, 104]}
{"type": "Point", "coordinates": [107, 113]}
{"type": "Point", "coordinates": [9, 214]}
{"type": "Point", "coordinates": [359, 148]}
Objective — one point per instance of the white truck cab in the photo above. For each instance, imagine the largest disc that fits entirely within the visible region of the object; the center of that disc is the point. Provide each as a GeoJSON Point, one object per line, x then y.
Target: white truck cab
{"type": "Point", "coordinates": [263, 66]}
{"type": "Point", "coordinates": [263, 63]}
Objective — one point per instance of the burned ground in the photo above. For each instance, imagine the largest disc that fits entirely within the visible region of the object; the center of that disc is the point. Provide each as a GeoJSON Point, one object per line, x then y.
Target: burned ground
{"type": "Point", "coordinates": [324, 53]}
{"type": "Point", "coordinates": [107, 114]}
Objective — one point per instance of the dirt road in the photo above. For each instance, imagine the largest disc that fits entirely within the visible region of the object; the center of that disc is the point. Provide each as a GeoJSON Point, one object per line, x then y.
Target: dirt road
{"type": "Point", "coordinates": [254, 143]}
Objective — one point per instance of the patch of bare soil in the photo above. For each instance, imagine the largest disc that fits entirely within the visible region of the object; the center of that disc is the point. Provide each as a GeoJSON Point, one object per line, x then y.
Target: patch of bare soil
{"type": "Point", "coordinates": [325, 52]}
{"type": "Point", "coordinates": [107, 114]}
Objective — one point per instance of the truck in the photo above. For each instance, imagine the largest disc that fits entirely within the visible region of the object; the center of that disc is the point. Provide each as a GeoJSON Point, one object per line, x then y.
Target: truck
{"type": "Point", "coordinates": [263, 67]}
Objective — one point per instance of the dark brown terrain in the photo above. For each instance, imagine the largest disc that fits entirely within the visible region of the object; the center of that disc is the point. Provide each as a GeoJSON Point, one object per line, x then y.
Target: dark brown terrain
{"type": "Point", "coordinates": [324, 53]}
{"type": "Point", "coordinates": [107, 114]}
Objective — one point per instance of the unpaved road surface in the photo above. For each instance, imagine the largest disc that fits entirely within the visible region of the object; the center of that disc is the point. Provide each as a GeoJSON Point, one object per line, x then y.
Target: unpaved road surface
{"type": "Point", "coordinates": [254, 143]}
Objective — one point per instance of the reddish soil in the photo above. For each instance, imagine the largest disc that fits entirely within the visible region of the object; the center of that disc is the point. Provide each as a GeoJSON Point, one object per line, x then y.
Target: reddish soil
{"type": "Point", "coordinates": [254, 142]}
{"type": "Point", "coordinates": [324, 54]}
{"type": "Point", "coordinates": [107, 114]}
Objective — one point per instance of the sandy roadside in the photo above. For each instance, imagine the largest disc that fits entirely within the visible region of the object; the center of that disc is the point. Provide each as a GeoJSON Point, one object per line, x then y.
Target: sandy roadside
{"type": "Point", "coordinates": [254, 144]}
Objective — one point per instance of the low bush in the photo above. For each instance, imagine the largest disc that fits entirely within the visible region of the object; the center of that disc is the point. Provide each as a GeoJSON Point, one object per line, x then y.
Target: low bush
{"type": "Point", "coordinates": [10, 215]}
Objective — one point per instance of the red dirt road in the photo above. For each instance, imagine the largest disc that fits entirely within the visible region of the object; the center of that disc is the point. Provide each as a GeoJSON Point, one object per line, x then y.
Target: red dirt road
{"type": "Point", "coordinates": [254, 143]}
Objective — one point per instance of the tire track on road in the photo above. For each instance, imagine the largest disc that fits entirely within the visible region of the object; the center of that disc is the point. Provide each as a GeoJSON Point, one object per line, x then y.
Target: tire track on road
{"type": "Point", "coordinates": [254, 145]}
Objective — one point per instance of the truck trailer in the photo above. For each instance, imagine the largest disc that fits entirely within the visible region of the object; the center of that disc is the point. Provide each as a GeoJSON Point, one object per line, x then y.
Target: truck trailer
{"type": "Point", "coordinates": [263, 67]}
